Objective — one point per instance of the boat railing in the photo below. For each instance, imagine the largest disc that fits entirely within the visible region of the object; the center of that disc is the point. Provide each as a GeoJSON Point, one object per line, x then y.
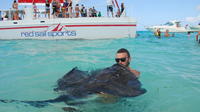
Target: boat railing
{"type": "Point", "coordinates": [8, 15]}
{"type": "Point", "coordinates": [28, 13]}
{"type": "Point", "coordinates": [11, 14]}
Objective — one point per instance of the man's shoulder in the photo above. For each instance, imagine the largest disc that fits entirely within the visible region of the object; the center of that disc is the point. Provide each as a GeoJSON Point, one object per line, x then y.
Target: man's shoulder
{"type": "Point", "coordinates": [135, 72]}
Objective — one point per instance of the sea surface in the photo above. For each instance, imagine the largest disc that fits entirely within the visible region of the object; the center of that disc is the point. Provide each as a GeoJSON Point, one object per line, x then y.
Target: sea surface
{"type": "Point", "coordinates": [170, 71]}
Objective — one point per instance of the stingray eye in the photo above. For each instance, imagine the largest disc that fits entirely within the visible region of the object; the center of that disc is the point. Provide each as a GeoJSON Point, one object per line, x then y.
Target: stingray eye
{"type": "Point", "coordinates": [122, 68]}
{"type": "Point", "coordinates": [117, 75]}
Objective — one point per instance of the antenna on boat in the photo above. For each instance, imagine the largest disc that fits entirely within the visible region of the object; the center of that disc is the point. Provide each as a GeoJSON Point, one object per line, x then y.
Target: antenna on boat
{"type": "Point", "coordinates": [118, 8]}
{"type": "Point", "coordinates": [117, 4]}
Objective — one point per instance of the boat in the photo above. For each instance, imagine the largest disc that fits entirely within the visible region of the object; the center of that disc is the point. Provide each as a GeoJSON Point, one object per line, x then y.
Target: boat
{"type": "Point", "coordinates": [196, 28]}
{"type": "Point", "coordinates": [171, 26]}
{"type": "Point", "coordinates": [43, 28]}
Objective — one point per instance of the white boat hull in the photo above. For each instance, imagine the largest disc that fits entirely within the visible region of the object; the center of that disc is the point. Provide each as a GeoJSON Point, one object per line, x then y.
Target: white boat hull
{"type": "Point", "coordinates": [196, 28]}
{"type": "Point", "coordinates": [171, 26]}
{"type": "Point", "coordinates": [69, 28]}
{"type": "Point", "coordinates": [173, 30]}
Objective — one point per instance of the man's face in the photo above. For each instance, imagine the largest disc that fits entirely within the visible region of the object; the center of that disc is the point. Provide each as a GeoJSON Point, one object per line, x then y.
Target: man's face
{"type": "Point", "coordinates": [122, 58]}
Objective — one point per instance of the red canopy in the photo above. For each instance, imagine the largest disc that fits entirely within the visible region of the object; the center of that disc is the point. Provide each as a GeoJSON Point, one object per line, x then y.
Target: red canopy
{"type": "Point", "coordinates": [36, 1]}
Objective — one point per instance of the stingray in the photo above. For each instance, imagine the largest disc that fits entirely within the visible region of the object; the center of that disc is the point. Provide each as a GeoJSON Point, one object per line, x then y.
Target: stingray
{"type": "Point", "coordinates": [115, 80]}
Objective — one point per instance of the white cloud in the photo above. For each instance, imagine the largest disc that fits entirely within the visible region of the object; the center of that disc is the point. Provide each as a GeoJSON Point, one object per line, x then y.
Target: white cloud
{"type": "Point", "coordinates": [198, 7]}
{"type": "Point", "coordinates": [192, 19]}
{"type": "Point", "coordinates": [76, 1]}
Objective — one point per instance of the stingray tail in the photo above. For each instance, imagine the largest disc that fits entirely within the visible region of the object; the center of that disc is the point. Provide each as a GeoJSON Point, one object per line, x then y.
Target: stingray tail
{"type": "Point", "coordinates": [41, 103]}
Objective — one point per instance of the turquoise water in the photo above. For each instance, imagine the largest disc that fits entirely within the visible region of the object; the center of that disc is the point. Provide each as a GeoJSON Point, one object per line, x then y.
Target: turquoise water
{"type": "Point", "coordinates": [170, 71]}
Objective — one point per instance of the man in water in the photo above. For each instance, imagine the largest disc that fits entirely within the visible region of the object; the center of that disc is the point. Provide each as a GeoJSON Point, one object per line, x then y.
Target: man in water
{"type": "Point", "coordinates": [123, 57]}
{"type": "Point", "coordinates": [167, 33]}
{"type": "Point", "coordinates": [157, 33]}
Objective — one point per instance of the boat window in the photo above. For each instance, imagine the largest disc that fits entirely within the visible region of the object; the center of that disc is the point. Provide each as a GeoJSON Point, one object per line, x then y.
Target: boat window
{"type": "Point", "coordinates": [15, 23]}
{"type": "Point", "coordinates": [42, 21]}
{"type": "Point", "coordinates": [169, 24]}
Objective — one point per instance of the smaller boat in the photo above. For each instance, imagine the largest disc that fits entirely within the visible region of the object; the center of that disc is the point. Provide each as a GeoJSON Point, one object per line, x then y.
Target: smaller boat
{"type": "Point", "coordinates": [171, 26]}
{"type": "Point", "coordinates": [196, 28]}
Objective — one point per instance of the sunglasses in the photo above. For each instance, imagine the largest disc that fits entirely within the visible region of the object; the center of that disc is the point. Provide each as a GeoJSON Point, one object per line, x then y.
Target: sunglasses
{"type": "Point", "coordinates": [120, 59]}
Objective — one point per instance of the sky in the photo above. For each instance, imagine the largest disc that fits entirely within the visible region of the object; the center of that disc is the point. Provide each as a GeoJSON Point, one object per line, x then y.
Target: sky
{"type": "Point", "coordinates": [147, 12]}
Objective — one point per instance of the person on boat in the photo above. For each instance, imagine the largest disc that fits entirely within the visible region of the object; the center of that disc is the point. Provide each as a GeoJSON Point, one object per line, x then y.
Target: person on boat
{"type": "Point", "coordinates": [35, 10]}
{"type": "Point", "coordinates": [99, 14]}
{"type": "Point", "coordinates": [77, 10]}
{"type": "Point", "coordinates": [167, 33]}
{"type": "Point", "coordinates": [118, 14]}
{"type": "Point", "coordinates": [120, 11]}
{"type": "Point", "coordinates": [94, 12]}
{"type": "Point", "coordinates": [177, 24]}
{"type": "Point", "coordinates": [110, 4]}
{"type": "Point", "coordinates": [64, 11]}
{"type": "Point", "coordinates": [122, 8]}
{"type": "Point", "coordinates": [70, 8]}
{"type": "Point", "coordinates": [67, 12]}
{"type": "Point", "coordinates": [90, 12]}
{"type": "Point", "coordinates": [47, 8]}
{"type": "Point", "coordinates": [54, 7]}
{"type": "Point", "coordinates": [66, 4]}
{"type": "Point", "coordinates": [81, 10]}
{"type": "Point", "coordinates": [16, 15]}
{"type": "Point", "coordinates": [58, 7]}
{"type": "Point", "coordinates": [5, 17]}
{"type": "Point", "coordinates": [15, 7]}
{"type": "Point", "coordinates": [123, 57]}
{"type": "Point", "coordinates": [186, 26]}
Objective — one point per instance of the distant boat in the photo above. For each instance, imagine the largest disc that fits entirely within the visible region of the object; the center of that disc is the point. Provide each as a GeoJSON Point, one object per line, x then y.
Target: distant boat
{"type": "Point", "coordinates": [171, 26]}
{"type": "Point", "coordinates": [29, 27]}
{"type": "Point", "coordinates": [197, 27]}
